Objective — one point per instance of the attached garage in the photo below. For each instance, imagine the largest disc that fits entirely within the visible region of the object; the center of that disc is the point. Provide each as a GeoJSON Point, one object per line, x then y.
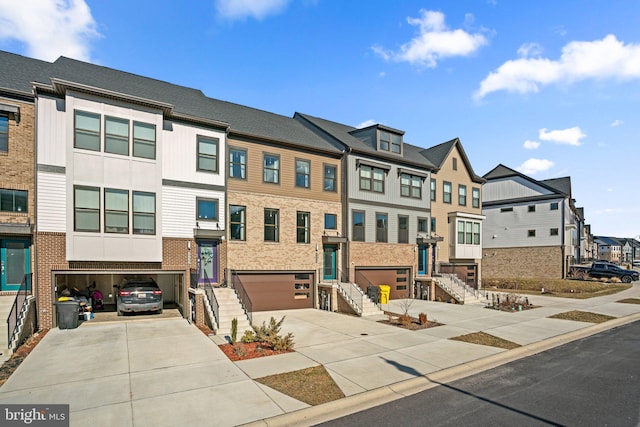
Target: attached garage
{"type": "Point", "coordinates": [399, 279]}
{"type": "Point", "coordinates": [172, 285]}
{"type": "Point", "coordinates": [279, 291]}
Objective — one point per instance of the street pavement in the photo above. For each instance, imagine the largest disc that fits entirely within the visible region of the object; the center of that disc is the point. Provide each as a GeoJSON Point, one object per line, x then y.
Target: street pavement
{"type": "Point", "coordinates": [166, 372]}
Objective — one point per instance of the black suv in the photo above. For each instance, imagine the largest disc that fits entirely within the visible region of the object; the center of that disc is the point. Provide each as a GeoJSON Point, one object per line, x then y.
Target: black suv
{"type": "Point", "coordinates": [139, 295]}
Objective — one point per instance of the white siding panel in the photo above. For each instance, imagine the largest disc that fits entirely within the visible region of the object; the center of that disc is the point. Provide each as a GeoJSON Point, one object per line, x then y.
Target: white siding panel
{"type": "Point", "coordinates": [51, 127]}
{"type": "Point", "coordinates": [51, 197]}
{"type": "Point", "coordinates": [511, 188]}
{"type": "Point", "coordinates": [180, 154]}
{"type": "Point", "coordinates": [179, 211]}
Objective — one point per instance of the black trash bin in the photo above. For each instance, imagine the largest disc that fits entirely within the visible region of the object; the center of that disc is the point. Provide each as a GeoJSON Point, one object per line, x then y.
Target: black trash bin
{"type": "Point", "coordinates": [373, 292]}
{"type": "Point", "coordinates": [67, 314]}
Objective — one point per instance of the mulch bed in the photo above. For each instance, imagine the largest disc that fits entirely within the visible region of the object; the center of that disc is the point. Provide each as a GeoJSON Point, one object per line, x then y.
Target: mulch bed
{"type": "Point", "coordinates": [394, 320]}
{"type": "Point", "coordinates": [9, 366]}
{"type": "Point", "coordinates": [244, 351]}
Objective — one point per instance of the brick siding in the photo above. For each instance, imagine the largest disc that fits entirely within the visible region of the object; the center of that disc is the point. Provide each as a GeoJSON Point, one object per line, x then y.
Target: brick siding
{"type": "Point", "coordinates": [530, 262]}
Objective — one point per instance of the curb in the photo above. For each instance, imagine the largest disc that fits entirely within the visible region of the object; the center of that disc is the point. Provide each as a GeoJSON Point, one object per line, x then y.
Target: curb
{"type": "Point", "coordinates": [372, 398]}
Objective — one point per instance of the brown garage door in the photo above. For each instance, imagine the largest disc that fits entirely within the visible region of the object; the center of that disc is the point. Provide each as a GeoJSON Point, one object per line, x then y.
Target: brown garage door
{"type": "Point", "coordinates": [397, 279]}
{"type": "Point", "coordinates": [279, 291]}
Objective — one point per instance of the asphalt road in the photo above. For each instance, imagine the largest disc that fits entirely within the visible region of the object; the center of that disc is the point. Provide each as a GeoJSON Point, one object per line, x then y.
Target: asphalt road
{"type": "Point", "coordinates": [594, 381]}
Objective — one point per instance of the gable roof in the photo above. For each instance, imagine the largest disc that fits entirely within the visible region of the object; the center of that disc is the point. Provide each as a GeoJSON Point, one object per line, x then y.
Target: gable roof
{"type": "Point", "coordinates": [179, 102]}
{"type": "Point", "coordinates": [341, 134]}
{"type": "Point", "coordinates": [439, 153]}
{"type": "Point", "coordinates": [561, 186]}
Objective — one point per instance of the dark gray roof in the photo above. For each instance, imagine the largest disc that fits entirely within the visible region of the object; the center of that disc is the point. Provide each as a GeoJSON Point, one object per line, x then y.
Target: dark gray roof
{"type": "Point", "coordinates": [340, 134]}
{"type": "Point", "coordinates": [17, 72]}
{"type": "Point", "coordinates": [439, 153]}
{"type": "Point", "coordinates": [560, 186]}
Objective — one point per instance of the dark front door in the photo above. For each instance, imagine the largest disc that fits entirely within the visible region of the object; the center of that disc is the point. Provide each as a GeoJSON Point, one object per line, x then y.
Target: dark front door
{"type": "Point", "coordinates": [15, 262]}
{"type": "Point", "coordinates": [207, 261]}
{"type": "Point", "coordinates": [330, 268]}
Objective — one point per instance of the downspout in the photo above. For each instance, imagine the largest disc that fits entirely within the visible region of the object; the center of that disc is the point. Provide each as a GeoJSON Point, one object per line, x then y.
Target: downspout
{"type": "Point", "coordinates": [34, 283]}
{"type": "Point", "coordinates": [562, 240]}
{"type": "Point", "coordinates": [346, 221]}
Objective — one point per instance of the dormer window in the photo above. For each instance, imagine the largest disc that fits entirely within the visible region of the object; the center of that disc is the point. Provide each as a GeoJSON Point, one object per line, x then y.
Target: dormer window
{"type": "Point", "coordinates": [390, 142]}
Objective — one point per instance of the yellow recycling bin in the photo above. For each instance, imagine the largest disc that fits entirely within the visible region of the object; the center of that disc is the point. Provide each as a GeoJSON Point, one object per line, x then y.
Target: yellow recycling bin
{"type": "Point", "coordinates": [385, 291]}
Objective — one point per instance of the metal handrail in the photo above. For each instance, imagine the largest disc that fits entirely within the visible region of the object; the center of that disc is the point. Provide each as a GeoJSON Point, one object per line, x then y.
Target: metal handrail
{"type": "Point", "coordinates": [243, 296]}
{"type": "Point", "coordinates": [348, 289]}
{"type": "Point", "coordinates": [12, 320]}
{"type": "Point", "coordinates": [213, 301]}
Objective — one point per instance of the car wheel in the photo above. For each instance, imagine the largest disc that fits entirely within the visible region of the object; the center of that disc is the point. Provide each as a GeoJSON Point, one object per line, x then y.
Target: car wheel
{"type": "Point", "coordinates": [626, 279]}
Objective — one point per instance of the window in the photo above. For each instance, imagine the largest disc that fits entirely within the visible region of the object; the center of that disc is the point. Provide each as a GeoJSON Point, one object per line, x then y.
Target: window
{"type": "Point", "coordinates": [475, 197]}
{"type": "Point", "coordinates": [385, 139]}
{"type": "Point", "coordinates": [531, 233]}
{"type": "Point", "coordinates": [432, 185]}
{"type": "Point", "coordinates": [423, 225]}
{"type": "Point", "coordinates": [506, 209]}
{"type": "Point", "coordinates": [462, 195]}
{"type": "Point", "coordinates": [403, 229]}
{"type": "Point", "coordinates": [207, 154]}
{"type": "Point", "coordinates": [303, 226]}
{"type": "Point", "coordinates": [144, 213]}
{"type": "Point", "coordinates": [476, 233]}
{"type": "Point", "coordinates": [553, 232]}
{"type": "Point", "coordinates": [116, 136]}
{"type": "Point", "coordinates": [86, 205]}
{"type": "Point", "coordinates": [446, 192]}
{"type": "Point", "coordinates": [554, 206]}
{"type": "Point", "coordinates": [382, 227]}
{"type": "Point", "coordinates": [237, 222]}
{"type": "Point", "coordinates": [396, 143]}
{"type": "Point", "coordinates": [4, 133]}
{"type": "Point", "coordinates": [433, 224]}
{"type": "Point", "coordinates": [238, 163]}
{"type": "Point", "coordinates": [271, 168]}
{"type": "Point", "coordinates": [410, 186]}
{"type": "Point", "coordinates": [371, 179]}
{"type": "Point", "coordinates": [116, 211]}
{"type": "Point", "coordinates": [468, 233]}
{"type": "Point", "coordinates": [329, 178]}
{"type": "Point", "coordinates": [87, 131]}
{"type": "Point", "coordinates": [358, 226]}
{"type": "Point", "coordinates": [455, 164]}
{"type": "Point", "coordinates": [532, 208]}
{"type": "Point", "coordinates": [303, 173]}
{"type": "Point", "coordinates": [330, 221]}
{"type": "Point", "coordinates": [271, 225]}
{"type": "Point", "coordinates": [207, 209]}
{"type": "Point", "coordinates": [144, 140]}
{"type": "Point", "coordinates": [13, 201]}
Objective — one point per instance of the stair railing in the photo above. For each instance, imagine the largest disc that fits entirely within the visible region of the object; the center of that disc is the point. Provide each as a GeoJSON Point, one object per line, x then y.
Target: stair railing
{"type": "Point", "coordinates": [243, 296]}
{"type": "Point", "coordinates": [16, 309]}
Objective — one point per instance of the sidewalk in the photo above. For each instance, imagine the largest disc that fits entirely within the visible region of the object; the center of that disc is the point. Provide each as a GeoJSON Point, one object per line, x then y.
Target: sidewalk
{"type": "Point", "coordinates": [166, 372]}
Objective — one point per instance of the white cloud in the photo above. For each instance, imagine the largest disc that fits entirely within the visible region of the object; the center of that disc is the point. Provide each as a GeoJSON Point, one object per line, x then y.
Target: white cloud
{"type": "Point", "coordinates": [533, 166]}
{"type": "Point", "coordinates": [531, 145]}
{"type": "Point", "coordinates": [258, 9]}
{"type": "Point", "coordinates": [528, 50]}
{"type": "Point", "coordinates": [570, 136]}
{"type": "Point", "coordinates": [608, 58]}
{"type": "Point", "coordinates": [616, 123]}
{"type": "Point", "coordinates": [366, 123]}
{"type": "Point", "coordinates": [49, 29]}
{"type": "Point", "coordinates": [434, 42]}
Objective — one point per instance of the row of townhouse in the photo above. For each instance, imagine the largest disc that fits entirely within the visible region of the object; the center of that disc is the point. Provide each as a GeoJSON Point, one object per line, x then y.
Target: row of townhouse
{"type": "Point", "coordinates": [616, 249]}
{"type": "Point", "coordinates": [108, 175]}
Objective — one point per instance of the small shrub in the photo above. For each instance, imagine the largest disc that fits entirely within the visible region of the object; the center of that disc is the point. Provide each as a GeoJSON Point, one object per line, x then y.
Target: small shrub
{"type": "Point", "coordinates": [234, 330]}
{"type": "Point", "coordinates": [270, 335]}
{"type": "Point", "coordinates": [423, 318]}
{"type": "Point", "coordinates": [616, 280]}
{"type": "Point", "coordinates": [405, 320]}
{"type": "Point", "coordinates": [248, 337]}
{"type": "Point", "coordinates": [283, 343]}
{"type": "Point", "coordinates": [239, 350]}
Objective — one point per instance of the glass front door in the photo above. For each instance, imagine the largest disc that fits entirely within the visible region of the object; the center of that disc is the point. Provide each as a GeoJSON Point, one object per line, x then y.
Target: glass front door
{"type": "Point", "coordinates": [329, 264]}
{"type": "Point", "coordinates": [207, 262]}
{"type": "Point", "coordinates": [15, 262]}
{"type": "Point", "coordinates": [422, 260]}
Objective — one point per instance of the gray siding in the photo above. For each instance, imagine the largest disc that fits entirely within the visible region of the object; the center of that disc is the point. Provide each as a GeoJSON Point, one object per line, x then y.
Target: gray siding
{"type": "Point", "coordinates": [511, 188]}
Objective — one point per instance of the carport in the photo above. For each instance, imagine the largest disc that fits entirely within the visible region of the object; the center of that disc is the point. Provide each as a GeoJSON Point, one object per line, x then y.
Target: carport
{"type": "Point", "coordinates": [172, 284]}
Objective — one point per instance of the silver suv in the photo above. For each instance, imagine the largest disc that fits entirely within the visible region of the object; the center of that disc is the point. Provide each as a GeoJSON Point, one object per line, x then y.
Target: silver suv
{"type": "Point", "coordinates": [136, 295]}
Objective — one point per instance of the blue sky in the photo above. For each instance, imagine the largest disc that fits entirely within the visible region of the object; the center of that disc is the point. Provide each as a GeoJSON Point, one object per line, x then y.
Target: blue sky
{"type": "Point", "coordinates": [550, 88]}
